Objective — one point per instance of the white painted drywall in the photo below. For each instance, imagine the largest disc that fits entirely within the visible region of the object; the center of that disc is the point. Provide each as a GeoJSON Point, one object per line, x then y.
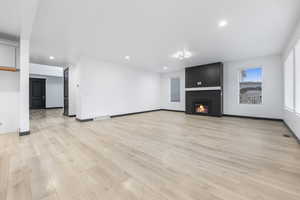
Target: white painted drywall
{"type": "Point", "coordinates": [165, 90]}
{"type": "Point", "coordinates": [24, 85]}
{"type": "Point", "coordinates": [113, 89]}
{"type": "Point", "coordinates": [9, 87]}
{"type": "Point", "coordinates": [54, 90]}
{"type": "Point", "coordinates": [291, 118]}
{"type": "Point", "coordinates": [272, 89]}
{"type": "Point", "coordinates": [46, 70]}
{"type": "Point", "coordinates": [9, 102]}
{"type": "Point", "coordinates": [7, 55]}
{"type": "Point", "coordinates": [272, 106]}
{"type": "Point", "coordinates": [73, 82]}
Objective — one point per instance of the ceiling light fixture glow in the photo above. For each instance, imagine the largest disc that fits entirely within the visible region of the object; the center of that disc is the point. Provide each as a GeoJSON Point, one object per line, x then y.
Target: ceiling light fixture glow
{"type": "Point", "coordinates": [165, 67]}
{"type": "Point", "coordinates": [182, 54]}
{"type": "Point", "coordinates": [127, 57]}
{"type": "Point", "coordinates": [223, 23]}
{"type": "Point", "coordinates": [51, 57]}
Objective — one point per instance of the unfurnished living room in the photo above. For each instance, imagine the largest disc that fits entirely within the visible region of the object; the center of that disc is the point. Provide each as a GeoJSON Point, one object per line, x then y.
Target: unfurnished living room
{"type": "Point", "coordinates": [149, 99]}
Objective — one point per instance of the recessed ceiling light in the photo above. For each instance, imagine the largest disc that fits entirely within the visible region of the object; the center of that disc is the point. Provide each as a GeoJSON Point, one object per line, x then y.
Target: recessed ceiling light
{"type": "Point", "coordinates": [127, 57]}
{"type": "Point", "coordinates": [223, 23]}
{"type": "Point", "coordinates": [165, 67]}
{"type": "Point", "coordinates": [51, 57]}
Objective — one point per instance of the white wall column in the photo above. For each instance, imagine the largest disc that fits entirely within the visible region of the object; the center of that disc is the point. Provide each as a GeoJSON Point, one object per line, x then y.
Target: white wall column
{"type": "Point", "coordinates": [24, 87]}
{"type": "Point", "coordinates": [28, 11]}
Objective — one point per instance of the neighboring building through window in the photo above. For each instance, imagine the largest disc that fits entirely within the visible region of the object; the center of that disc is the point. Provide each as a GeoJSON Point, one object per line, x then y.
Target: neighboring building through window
{"type": "Point", "coordinates": [251, 86]}
{"type": "Point", "coordinates": [175, 89]}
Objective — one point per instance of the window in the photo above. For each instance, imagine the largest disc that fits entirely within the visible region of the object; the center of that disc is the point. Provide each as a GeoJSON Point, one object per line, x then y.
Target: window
{"type": "Point", "coordinates": [289, 82]}
{"type": "Point", "coordinates": [251, 86]}
{"type": "Point", "coordinates": [175, 89]}
{"type": "Point", "coordinates": [297, 77]}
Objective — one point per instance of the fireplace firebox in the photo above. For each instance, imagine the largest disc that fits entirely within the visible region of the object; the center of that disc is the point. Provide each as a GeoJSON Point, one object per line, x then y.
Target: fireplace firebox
{"type": "Point", "coordinates": [201, 107]}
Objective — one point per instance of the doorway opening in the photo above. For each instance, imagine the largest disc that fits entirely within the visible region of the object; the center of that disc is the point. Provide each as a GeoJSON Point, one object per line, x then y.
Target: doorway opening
{"type": "Point", "coordinates": [37, 93]}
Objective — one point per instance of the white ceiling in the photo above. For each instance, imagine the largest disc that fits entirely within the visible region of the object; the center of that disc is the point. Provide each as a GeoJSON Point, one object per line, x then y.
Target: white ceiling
{"type": "Point", "coordinates": [9, 18]}
{"type": "Point", "coordinates": [151, 31]}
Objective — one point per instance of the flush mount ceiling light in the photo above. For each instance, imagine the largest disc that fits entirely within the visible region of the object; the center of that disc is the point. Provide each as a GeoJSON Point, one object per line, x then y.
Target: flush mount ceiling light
{"type": "Point", "coordinates": [51, 57]}
{"type": "Point", "coordinates": [182, 54]}
{"type": "Point", "coordinates": [127, 57]}
{"type": "Point", "coordinates": [223, 23]}
{"type": "Point", "coordinates": [165, 67]}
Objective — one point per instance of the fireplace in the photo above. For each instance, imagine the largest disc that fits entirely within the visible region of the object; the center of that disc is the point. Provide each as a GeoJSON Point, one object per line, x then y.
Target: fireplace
{"type": "Point", "coordinates": [204, 90]}
{"type": "Point", "coordinates": [201, 108]}
{"type": "Point", "coordinates": [204, 102]}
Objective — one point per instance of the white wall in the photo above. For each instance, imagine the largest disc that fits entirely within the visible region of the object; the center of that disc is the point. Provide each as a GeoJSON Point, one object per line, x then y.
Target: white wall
{"type": "Point", "coordinates": [9, 102]}
{"type": "Point", "coordinates": [9, 87]}
{"type": "Point", "coordinates": [165, 91]}
{"type": "Point", "coordinates": [272, 81]}
{"type": "Point", "coordinates": [7, 55]}
{"type": "Point", "coordinates": [272, 106]}
{"type": "Point", "coordinates": [112, 89]}
{"type": "Point", "coordinates": [291, 118]}
{"type": "Point", "coordinates": [46, 70]}
{"type": "Point", "coordinates": [24, 86]}
{"type": "Point", "coordinates": [73, 82]}
{"type": "Point", "coordinates": [54, 90]}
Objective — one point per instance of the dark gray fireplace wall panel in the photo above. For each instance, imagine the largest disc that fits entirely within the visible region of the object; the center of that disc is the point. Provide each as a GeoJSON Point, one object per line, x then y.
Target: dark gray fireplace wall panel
{"type": "Point", "coordinates": [210, 75]}
{"type": "Point", "coordinates": [204, 80]}
{"type": "Point", "coordinates": [212, 96]}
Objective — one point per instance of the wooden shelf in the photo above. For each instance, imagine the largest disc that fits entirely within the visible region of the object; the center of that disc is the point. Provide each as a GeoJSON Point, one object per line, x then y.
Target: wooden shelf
{"type": "Point", "coordinates": [10, 69]}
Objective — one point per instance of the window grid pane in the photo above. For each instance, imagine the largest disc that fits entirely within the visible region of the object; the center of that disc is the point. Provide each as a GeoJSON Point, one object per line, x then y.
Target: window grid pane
{"type": "Point", "coordinates": [175, 90]}
{"type": "Point", "coordinates": [251, 86]}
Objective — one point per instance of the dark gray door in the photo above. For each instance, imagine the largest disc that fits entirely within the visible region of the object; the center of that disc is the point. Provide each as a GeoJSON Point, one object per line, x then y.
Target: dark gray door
{"type": "Point", "coordinates": [37, 93]}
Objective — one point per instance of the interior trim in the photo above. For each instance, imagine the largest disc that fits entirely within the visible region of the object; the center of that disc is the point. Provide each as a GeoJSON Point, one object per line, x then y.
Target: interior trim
{"type": "Point", "coordinates": [293, 133]}
{"type": "Point", "coordinates": [134, 113]}
{"type": "Point", "coordinates": [10, 43]}
{"type": "Point", "coordinates": [54, 107]}
{"type": "Point", "coordinates": [172, 110]}
{"type": "Point", "coordinates": [250, 117]}
{"type": "Point", "coordinates": [84, 120]}
{"type": "Point", "coordinates": [203, 88]}
{"type": "Point", "coordinates": [24, 133]}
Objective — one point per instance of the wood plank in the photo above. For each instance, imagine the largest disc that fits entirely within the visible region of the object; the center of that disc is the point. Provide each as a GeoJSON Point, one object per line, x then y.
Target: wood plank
{"type": "Point", "coordinates": [159, 155]}
{"type": "Point", "coordinates": [10, 69]}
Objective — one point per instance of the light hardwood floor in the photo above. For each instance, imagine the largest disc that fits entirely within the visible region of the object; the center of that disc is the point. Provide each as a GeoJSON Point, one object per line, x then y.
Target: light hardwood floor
{"type": "Point", "coordinates": [158, 156]}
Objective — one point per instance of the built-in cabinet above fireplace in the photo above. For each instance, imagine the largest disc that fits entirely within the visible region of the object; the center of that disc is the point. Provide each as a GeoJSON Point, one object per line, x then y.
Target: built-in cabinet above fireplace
{"type": "Point", "coordinates": [204, 89]}
{"type": "Point", "coordinates": [210, 75]}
